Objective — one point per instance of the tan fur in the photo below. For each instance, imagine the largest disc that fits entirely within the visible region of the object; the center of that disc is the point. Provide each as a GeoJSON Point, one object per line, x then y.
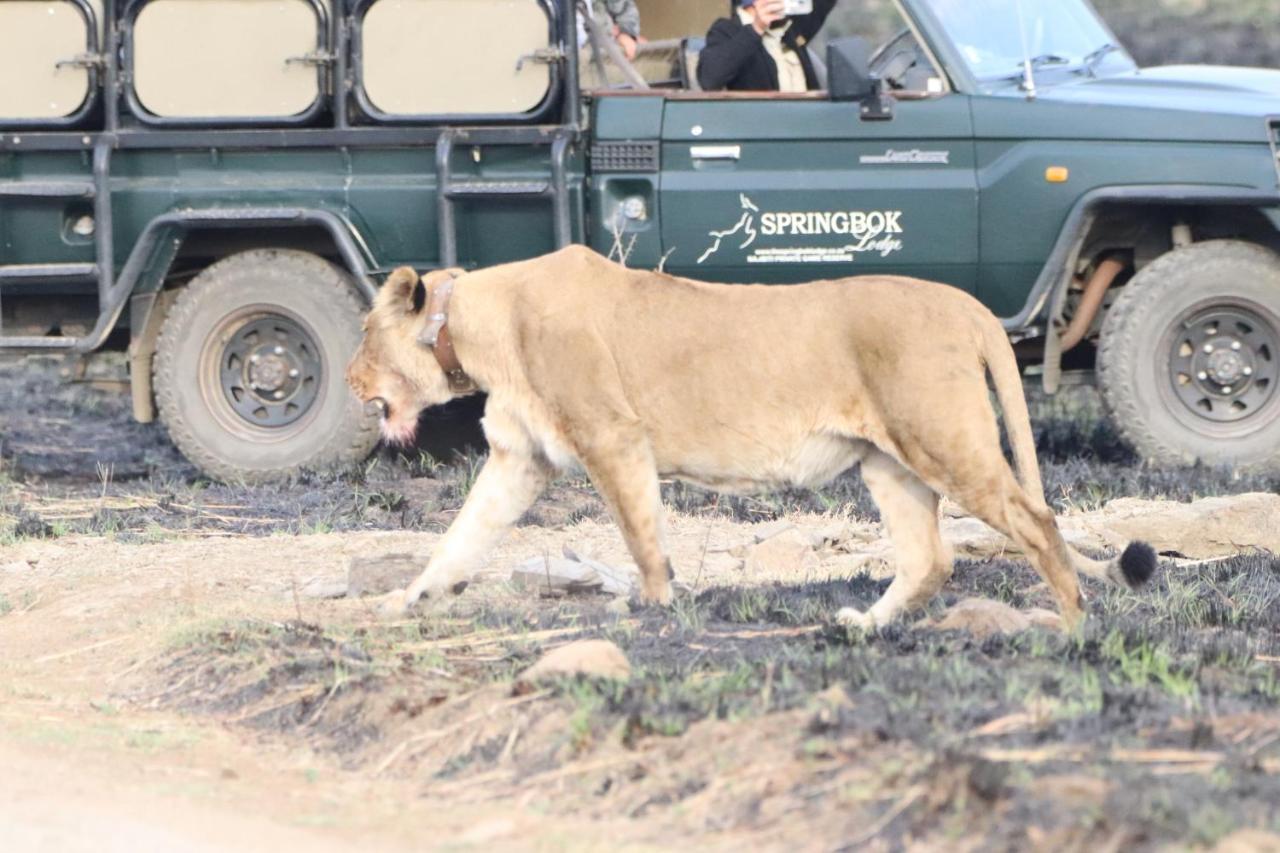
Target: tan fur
{"type": "Point", "coordinates": [633, 375]}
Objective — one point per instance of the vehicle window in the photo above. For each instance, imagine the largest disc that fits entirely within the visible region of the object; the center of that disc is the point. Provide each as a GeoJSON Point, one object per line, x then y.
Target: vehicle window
{"type": "Point", "coordinates": [244, 63]}
{"type": "Point", "coordinates": [490, 61]}
{"type": "Point", "coordinates": [34, 38]}
{"type": "Point", "coordinates": [995, 37]}
{"type": "Point", "coordinates": [897, 57]}
{"type": "Point", "coordinates": [877, 21]}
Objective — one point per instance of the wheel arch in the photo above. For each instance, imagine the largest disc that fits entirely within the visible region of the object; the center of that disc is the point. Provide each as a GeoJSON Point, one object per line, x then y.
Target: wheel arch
{"type": "Point", "coordinates": [153, 271]}
{"type": "Point", "coordinates": [1083, 238]}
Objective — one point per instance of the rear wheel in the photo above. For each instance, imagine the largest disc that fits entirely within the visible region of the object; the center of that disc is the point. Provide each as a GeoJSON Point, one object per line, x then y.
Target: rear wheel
{"type": "Point", "coordinates": [249, 368]}
{"type": "Point", "coordinates": [1189, 363]}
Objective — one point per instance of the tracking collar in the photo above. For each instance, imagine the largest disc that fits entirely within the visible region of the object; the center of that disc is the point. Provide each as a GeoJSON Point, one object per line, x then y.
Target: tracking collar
{"type": "Point", "coordinates": [435, 336]}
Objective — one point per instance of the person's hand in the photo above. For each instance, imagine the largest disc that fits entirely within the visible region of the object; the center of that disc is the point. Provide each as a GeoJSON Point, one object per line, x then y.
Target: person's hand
{"type": "Point", "coordinates": [628, 45]}
{"type": "Point", "coordinates": [766, 13]}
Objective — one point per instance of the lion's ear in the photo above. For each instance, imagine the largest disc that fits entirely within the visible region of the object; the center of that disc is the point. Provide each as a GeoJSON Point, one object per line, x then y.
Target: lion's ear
{"type": "Point", "coordinates": [402, 292]}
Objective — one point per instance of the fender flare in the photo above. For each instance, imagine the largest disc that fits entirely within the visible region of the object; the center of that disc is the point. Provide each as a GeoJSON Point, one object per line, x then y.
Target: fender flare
{"type": "Point", "coordinates": [156, 247]}
{"type": "Point", "coordinates": [1051, 286]}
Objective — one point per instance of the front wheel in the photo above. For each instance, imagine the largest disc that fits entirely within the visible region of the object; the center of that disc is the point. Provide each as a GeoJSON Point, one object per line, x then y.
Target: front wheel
{"type": "Point", "coordinates": [1189, 363]}
{"type": "Point", "coordinates": [249, 368]}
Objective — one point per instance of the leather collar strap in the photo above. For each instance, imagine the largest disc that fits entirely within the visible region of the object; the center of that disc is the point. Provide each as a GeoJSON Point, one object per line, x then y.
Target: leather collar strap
{"type": "Point", "coordinates": [436, 336]}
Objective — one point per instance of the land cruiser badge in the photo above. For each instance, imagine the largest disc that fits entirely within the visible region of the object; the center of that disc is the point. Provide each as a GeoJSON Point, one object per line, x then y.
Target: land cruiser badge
{"type": "Point", "coordinates": [906, 158]}
{"type": "Point", "coordinates": [874, 231]}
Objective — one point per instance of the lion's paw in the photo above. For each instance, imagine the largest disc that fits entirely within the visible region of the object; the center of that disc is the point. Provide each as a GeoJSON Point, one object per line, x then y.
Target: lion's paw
{"type": "Point", "coordinates": [393, 605]}
{"type": "Point", "coordinates": [851, 617]}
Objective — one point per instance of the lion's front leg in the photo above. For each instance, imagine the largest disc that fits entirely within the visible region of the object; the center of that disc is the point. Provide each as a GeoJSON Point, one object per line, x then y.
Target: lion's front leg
{"type": "Point", "coordinates": [506, 487]}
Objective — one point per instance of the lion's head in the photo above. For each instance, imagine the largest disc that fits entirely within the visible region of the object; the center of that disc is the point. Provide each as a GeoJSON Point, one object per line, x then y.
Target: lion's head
{"type": "Point", "coordinates": [392, 369]}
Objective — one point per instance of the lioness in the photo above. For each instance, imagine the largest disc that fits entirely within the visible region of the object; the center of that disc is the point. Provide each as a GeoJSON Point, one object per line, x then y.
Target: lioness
{"type": "Point", "coordinates": [633, 375]}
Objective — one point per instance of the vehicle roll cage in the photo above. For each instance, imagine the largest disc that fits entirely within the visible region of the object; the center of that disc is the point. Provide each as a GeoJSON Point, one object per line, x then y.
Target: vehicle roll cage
{"type": "Point", "coordinates": [136, 129]}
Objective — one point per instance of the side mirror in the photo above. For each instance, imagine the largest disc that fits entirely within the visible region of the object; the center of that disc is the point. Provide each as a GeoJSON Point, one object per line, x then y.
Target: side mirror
{"type": "Point", "coordinates": [849, 77]}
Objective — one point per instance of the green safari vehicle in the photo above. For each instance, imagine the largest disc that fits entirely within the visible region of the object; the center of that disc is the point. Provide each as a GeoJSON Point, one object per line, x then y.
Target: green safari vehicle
{"type": "Point", "coordinates": [220, 186]}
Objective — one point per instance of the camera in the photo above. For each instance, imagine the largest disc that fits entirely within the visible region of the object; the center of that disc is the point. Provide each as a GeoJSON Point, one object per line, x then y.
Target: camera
{"type": "Point", "coordinates": [797, 7]}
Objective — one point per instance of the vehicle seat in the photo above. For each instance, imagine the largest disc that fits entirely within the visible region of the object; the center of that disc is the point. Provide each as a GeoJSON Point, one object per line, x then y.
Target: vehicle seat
{"type": "Point", "coordinates": [690, 50]}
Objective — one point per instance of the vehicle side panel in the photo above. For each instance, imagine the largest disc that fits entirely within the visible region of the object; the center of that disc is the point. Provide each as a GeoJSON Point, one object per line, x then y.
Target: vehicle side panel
{"type": "Point", "coordinates": [1022, 213]}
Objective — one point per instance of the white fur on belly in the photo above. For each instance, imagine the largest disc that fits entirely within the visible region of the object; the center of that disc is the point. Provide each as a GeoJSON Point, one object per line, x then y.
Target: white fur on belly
{"type": "Point", "coordinates": [815, 460]}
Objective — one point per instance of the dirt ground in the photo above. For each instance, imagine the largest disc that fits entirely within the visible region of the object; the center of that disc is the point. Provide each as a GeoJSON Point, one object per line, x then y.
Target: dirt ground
{"type": "Point", "coordinates": [175, 675]}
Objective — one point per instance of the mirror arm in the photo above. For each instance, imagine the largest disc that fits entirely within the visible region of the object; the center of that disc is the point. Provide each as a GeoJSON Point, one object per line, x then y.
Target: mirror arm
{"type": "Point", "coordinates": [878, 106]}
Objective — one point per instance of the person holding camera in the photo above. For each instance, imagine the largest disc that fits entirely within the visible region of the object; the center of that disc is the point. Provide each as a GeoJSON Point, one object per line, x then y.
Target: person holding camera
{"type": "Point", "coordinates": [761, 48]}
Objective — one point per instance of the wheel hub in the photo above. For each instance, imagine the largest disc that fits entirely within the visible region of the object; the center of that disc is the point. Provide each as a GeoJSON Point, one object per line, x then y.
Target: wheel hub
{"type": "Point", "coordinates": [1226, 367]}
{"type": "Point", "coordinates": [270, 371]}
{"type": "Point", "coordinates": [274, 371]}
{"type": "Point", "coordinates": [1225, 363]}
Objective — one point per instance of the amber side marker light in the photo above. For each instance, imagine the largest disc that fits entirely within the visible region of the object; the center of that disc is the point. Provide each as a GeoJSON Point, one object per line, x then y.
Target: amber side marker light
{"type": "Point", "coordinates": [1057, 174]}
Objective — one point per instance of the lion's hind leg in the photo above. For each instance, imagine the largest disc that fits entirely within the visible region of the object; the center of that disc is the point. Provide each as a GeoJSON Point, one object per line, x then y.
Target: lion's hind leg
{"type": "Point", "coordinates": [922, 561]}
{"type": "Point", "coordinates": [625, 475]}
{"type": "Point", "coordinates": [996, 498]}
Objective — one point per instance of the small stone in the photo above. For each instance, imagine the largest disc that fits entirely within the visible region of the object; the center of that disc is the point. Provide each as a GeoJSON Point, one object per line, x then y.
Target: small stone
{"type": "Point", "coordinates": [876, 562]}
{"type": "Point", "coordinates": [594, 658]}
{"type": "Point", "coordinates": [323, 588]}
{"type": "Point", "coordinates": [983, 617]}
{"type": "Point", "coordinates": [1249, 841]}
{"type": "Point", "coordinates": [561, 574]}
{"type": "Point", "coordinates": [787, 554]}
{"type": "Point", "coordinates": [383, 573]}
{"type": "Point", "coordinates": [767, 531]}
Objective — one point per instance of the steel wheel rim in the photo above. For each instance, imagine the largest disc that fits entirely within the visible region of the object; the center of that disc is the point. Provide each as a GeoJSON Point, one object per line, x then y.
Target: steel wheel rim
{"type": "Point", "coordinates": [1222, 365]}
{"type": "Point", "coordinates": [262, 373]}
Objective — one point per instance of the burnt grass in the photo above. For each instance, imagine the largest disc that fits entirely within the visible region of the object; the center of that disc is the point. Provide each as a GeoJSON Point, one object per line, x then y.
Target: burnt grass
{"type": "Point", "coordinates": [1185, 667]}
{"type": "Point", "coordinates": [1188, 665]}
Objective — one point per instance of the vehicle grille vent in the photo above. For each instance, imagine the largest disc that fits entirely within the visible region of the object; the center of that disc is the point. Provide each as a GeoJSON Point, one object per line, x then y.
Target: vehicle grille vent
{"type": "Point", "coordinates": [624, 157]}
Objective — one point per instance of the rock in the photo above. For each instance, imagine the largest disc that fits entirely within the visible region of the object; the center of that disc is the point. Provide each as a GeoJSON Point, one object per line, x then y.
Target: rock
{"type": "Point", "coordinates": [983, 617]}
{"type": "Point", "coordinates": [763, 532]}
{"type": "Point", "coordinates": [383, 573]}
{"type": "Point", "coordinates": [594, 658]}
{"type": "Point", "coordinates": [830, 708]}
{"type": "Point", "coordinates": [15, 568]}
{"type": "Point", "coordinates": [1249, 841]}
{"type": "Point", "coordinates": [787, 554]}
{"type": "Point", "coordinates": [572, 574]}
{"type": "Point", "coordinates": [874, 560]}
{"type": "Point", "coordinates": [975, 540]}
{"type": "Point", "coordinates": [1209, 527]}
{"type": "Point", "coordinates": [1205, 529]}
{"type": "Point", "coordinates": [323, 588]}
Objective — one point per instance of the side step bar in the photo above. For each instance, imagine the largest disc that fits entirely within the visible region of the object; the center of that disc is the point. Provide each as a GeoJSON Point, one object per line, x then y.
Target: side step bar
{"type": "Point", "coordinates": [46, 272]}
{"type": "Point", "coordinates": [47, 189]}
{"type": "Point", "coordinates": [33, 343]}
{"type": "Point", "coordinates": [43, 272]}
{"type": "Point", "coordinates": [448, 191]}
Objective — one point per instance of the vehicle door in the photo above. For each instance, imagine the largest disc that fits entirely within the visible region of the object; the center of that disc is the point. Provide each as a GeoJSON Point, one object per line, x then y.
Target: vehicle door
{"type": "Point", "coordinates": [787, 188]}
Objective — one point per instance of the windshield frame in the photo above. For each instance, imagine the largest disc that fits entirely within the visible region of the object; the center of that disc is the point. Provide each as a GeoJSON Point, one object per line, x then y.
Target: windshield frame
{"type": "Point", "coordinates": [962, 75]}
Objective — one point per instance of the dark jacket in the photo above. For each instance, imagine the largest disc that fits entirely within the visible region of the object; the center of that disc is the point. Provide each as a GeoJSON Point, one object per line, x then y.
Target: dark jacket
{"type": "Point", "coordinates": [735, 57]}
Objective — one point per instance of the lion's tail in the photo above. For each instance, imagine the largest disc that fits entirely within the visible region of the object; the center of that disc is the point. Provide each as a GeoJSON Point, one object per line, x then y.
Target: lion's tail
{"type": "Point", "coordinates": [1138, 561]}
{"type": "Point", "coordinates": [1007, 379]}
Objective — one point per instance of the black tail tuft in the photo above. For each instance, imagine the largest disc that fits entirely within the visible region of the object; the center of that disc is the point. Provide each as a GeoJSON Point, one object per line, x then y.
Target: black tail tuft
{"type": "Point", "coordinates": [1138, 562]}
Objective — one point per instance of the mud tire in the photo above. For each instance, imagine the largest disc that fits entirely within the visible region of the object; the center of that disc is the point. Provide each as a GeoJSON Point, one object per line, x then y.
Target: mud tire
{"type": "Point", "coordinates": [334, 433]}
{"type": "Point", "coordinates": [1133, 367]}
